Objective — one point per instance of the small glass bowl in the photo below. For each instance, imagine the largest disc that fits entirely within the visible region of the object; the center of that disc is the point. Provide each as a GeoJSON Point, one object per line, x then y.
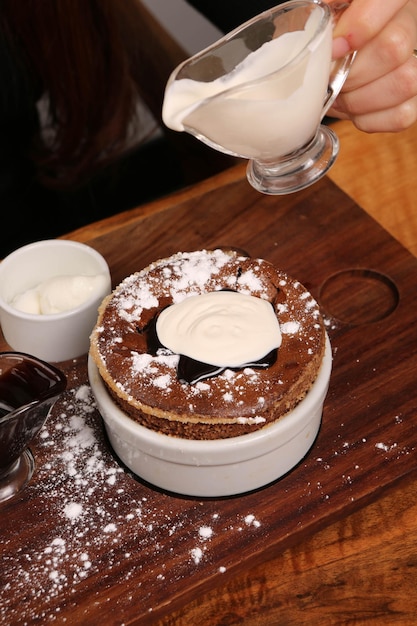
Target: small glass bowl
{"type": "Point", "coordinates": [28, 389]}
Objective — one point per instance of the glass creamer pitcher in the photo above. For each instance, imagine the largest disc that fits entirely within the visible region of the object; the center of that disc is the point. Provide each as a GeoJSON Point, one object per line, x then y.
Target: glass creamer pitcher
{"type": "Point", "coordinates": [261, 91]}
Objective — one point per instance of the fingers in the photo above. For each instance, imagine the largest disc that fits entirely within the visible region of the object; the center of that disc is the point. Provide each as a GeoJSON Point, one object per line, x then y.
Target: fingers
{"type": "Point", "coordinates": [380, 93]}
{"type": "Point", "coordinates": [391, 49]}
{"type": "Point", "coordinates": [387, 104]}
{"type": "Point", "coordinates": [388, 121]}
{"type": "Point", "coordinates": [364, 19]}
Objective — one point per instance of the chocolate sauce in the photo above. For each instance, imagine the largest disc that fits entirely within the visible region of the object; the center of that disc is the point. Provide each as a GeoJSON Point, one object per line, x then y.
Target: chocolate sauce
{"type": "Point", "coordinates": [192, 371]}
{"type": "Point", "coordinates": [152, 340]}
{"type": "Point", "coordinates": [32, 387]}
{"type": "Point", "coordinates": [23, 383]}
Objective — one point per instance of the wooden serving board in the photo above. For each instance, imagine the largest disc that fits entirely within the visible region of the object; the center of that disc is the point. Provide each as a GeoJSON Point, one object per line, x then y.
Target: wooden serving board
{"type": "Point", "coordinates": [87, 543]}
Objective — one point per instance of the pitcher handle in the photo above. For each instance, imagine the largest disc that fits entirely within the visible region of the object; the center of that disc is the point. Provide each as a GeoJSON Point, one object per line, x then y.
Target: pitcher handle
{"type": "Point", "coordinates": [340, 67]}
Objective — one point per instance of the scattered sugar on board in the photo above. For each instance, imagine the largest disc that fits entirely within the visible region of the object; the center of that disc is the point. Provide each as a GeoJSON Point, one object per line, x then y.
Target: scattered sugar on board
{"type": "Point", "coordinates": [342, 448]}
{"type": "Point", "coordinates": [88, 494]}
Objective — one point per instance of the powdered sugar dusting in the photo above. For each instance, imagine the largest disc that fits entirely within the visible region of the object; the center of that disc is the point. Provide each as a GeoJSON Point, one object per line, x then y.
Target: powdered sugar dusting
{"type": "Point", "coordinates": [244, 399]}
{"type": "Point", "coordinates": [104, 522]}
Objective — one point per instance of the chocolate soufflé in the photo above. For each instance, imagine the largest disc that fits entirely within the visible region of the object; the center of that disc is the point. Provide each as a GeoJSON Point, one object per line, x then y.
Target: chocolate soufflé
{"type": "Point", "coordinates": [185, 396]}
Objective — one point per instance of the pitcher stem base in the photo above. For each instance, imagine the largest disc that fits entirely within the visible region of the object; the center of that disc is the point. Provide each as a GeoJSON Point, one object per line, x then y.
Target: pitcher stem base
{"type": "Point", "coordinates": [305, 168]}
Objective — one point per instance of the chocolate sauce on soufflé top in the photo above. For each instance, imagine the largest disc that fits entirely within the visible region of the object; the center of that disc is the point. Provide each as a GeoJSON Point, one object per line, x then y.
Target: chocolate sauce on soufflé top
{"type": "Point", "coordinates": [208, 344]}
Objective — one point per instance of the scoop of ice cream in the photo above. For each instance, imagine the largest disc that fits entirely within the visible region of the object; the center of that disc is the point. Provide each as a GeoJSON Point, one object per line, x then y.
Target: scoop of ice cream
{"type": "Point", "coordinates": [58, 294]}
{"type": "Point", "coordinates": [28, 302]}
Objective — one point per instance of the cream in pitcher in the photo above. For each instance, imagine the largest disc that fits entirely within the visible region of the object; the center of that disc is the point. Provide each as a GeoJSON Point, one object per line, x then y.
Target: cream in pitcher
{"type": "Point", "coordinates": [268, 105]}
{"type": "Point", "coordinates": [261, 91]}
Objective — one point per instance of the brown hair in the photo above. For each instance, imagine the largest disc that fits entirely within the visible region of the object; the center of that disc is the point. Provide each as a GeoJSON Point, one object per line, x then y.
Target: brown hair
{"type": "Point", "coordinates": [86, 55]}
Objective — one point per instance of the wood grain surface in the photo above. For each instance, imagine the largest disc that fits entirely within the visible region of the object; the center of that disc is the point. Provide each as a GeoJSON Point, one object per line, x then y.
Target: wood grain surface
{"type": "Point", "coordinates": [361, 570]}
{"type": "Point", "coordinates": [336, 537]}
{"type": "Point", "coordinates": [379, 171]}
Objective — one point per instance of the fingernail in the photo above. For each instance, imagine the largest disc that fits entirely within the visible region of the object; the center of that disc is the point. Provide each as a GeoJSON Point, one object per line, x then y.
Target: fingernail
{"type": "Point", "coordinates": [341, 47]}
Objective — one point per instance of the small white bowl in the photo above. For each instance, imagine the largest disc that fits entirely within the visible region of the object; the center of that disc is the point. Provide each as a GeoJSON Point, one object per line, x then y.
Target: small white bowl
{"type": "Point", "coordinates": [59, 336]}
{"type": "Point", "coordinates": [220, 467]}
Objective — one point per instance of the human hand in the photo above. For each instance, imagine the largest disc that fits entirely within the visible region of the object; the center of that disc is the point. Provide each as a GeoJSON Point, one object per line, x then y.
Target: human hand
{"type": "Point", "coordinates": [380, 93]}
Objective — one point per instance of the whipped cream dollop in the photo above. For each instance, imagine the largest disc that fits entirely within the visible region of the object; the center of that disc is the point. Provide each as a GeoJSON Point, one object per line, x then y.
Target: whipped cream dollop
{"type": "Point", "coordinates": [222, 328]}
{"type": "Point", "coordinates": [58, 294]}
